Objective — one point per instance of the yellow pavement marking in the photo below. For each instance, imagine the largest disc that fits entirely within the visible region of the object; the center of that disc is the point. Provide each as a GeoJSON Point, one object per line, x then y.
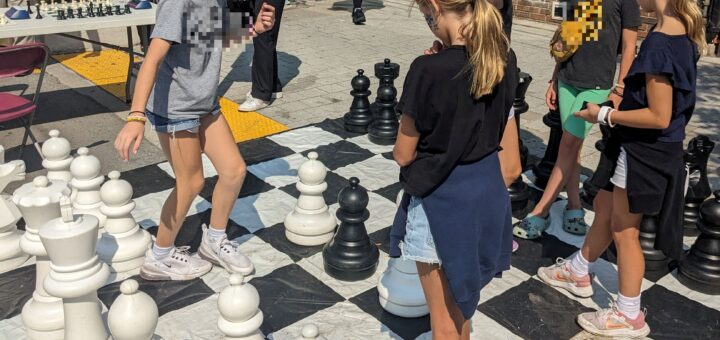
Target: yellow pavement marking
{"type": "Point", "coordinates": [108, 69]}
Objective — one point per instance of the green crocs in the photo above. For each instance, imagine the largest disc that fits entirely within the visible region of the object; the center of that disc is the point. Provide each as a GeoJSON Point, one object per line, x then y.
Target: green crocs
{"type": "Point", "coordinates": [531, 227]}
{"type": "Point", "coordinates": [574, 221]}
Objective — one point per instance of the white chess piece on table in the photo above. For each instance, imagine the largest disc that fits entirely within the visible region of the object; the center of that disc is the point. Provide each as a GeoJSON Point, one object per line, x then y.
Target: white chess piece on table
{"type": "Point", "coordinates": [310, 332]}
{"type": "Point", "coordinates": [76, 272]}
{"type": "Point", "coordinates": [310, 223]}
{"type": "Point", "coordinates": [86, 182]}
{"type": "Point", "coordinates": [124, 243]}
{"type": "Point", "coordinates": [133, 315]}
{"type": "Point", "coordinates": [39, 202]}
{"type": "Point", "coordinates": [56, 153]}
{"type": "Point", "coordinates": [399, 288]}
{"type": "Point", "coordinates": [44, 7]}
{"type": "Point", "coordinates": [240, 318]}
{"type": "Point", "coordinates": [11, 256]}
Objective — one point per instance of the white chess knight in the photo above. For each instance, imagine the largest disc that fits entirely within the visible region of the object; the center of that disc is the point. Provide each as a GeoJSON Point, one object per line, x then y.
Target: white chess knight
{"type": "Point", "coordinates": [76, 272]}
{"type": "Point", "coordinates": [56, 153]}
{"type": "Point", "coordinates": [133, 315]}
{"type": "Point", "coordinates": [39, 202]}
{"type": "Point", "coordinates": [86, 182]}
{"type": "Point", "coordinates": [310, 332]}
{"type": "Point", "coordinates": [399, 288]}
{"type": "Point", "coordinates": [310, 223]}
{"type": "Point", "coordinates": [240, 318]}
{"type": "Point", "coordinates": [124, 243]}
{"type": "Point", "coordinates": [11, 256]}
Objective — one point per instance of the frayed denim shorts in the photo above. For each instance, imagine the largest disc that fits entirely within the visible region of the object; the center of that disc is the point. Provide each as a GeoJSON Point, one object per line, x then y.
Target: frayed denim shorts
{"type": "Point", "coordinates": [169, 125]}
{"type": "Point", "coordinates": [418, 244]}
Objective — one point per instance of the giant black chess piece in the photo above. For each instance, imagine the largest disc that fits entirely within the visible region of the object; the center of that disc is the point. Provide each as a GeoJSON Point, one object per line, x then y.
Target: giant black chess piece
{"type": "Point", "coordinates": [696, 159]}
{"type": "Point", "coordinates": [700, 269]}
{"type": "Point", "coordinates": [519, 190]}
{"type": "Point", "coordinates": [386, 70]}
{"type": "Point", "coordinates": [589, 188]}
{"type": "Point", "coordinates": [654, 259]}
{"type": "Point", "coordinates": [543, 169]}
{"type": "Point", "coordinates": [350, 256]}
{"type": "Point", "coordinates": [384, 128]}
{"type": "Point", "coordinates": [360, 115]}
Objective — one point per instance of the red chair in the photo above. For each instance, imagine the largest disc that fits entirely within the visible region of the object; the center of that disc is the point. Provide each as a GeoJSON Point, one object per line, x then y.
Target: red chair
{"type": "Point", "coordinates": [20, 61]}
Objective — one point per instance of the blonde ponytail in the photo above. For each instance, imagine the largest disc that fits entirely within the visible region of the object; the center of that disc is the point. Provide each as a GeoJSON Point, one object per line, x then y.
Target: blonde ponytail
{"type": "Point", "coordinates": [691, 16]}
{"type": "Point", "coordinates": [487, 47]}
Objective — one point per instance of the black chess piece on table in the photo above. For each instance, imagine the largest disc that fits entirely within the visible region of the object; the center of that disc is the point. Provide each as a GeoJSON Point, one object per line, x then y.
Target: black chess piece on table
{"type": "Point", "coordinates": [700, 269]}
{"type": "Point", "coordinates": [543, 169]}
{"type": "Point", "coordinates": [108, 10]}
{"type": "Point", "coordinates": [384, 128]}
{"type": "Point", "coordinates": [360, 114]}
{"type": "Point", "coordinates": [350, 256]}
{"type": "Point", "coordinates": [117, 10]}
{"type": "Point", "coordinates": [29, 10]}
{"type": "Point", "coordinates": [61, 15]}
{"type": "Point", "coordinates": [80, 13]}
{"type": "Point", "coordinates": [90, 11]}
{"type": "Point", "coordinates": [589, 189]}
{"type": "Point", "coordinates": [127, 9]}
{"type": "Point", "coordinates": [70, 13]}
{"type": "Point", "coordinates": [696, 159]}
{"type": "Point", "coordinates": [100, 11]}
{"type": "Point", "coordinates": [37, 9]}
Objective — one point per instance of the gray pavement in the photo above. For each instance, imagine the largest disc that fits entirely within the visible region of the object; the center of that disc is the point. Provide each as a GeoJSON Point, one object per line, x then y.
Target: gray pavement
{"type": "Point", "coordinates": [319, 51]}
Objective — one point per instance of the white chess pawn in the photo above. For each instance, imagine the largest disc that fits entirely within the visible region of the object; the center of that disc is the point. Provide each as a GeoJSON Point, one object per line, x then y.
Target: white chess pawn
{"type": "Point", "coordinates": [11, 256]}
{"type": "Point", "coordinates": [53, 7]}
{"type": "Point", "coordinates": [310, 332]}
{"type": "Point", "coordinates": [310, 223]}
{"type": "Point", "coordinates": [73, 4]}
{"type": "Point", "coordinates": [133, 315]}
{"type": "Point", "coordinates": [240, 318]}
{"type": "Point", "coordinates": [39, 202]}
{"type": "Point", "coordinates": [2, 20]}
{"type": "Point", "coordinates": [124, 243]}
{"type": "Point", "coordinates": [44, 6]}
{"type": "Point", "coordinates": [86, 182]}
{"type": "Point", "coordinates": [76, 272]}
{"type": "Point", "coordinates": [56, 153]}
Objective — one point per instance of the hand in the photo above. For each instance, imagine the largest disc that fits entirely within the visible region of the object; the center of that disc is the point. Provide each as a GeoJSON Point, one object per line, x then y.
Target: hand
{"type": "Point", "coordinates": [551, 96]}
{"type": "Point", "coordinates": [590, 114]}
{"type": "Point", "coordinates": [265, 19]}
{"type": "Point", "coordinates": [716, 39]}
{"type": "Point", "coordinates": [615, 99]}
{"type": "Point", "coordinates": [130, 135]}
{"type": "Point", "coordinates": [436, 47]}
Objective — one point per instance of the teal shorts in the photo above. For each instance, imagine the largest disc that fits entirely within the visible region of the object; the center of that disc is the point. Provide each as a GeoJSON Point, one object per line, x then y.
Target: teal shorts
{"type": "Point", "coordinates": [571, 99]}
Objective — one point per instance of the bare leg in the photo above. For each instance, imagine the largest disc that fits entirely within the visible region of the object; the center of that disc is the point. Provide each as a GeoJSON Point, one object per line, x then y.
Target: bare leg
{"type": "Point", "coordinates": [561, 173]}
{"type": "Point", "coordinates": [446, 319]}
{"type": "Point", "coordinates": [599, 236]}
{"type": "Point", "coordinates": [572, 186]}
{"type": "Point", "coordinates": [626, 233]}
{"type": "Point", "coordinates": [183, 153]}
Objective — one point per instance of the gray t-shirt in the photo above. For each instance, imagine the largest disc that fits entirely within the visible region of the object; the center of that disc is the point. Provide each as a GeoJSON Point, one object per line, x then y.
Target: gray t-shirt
{"type": "Point", "coordinates": [188, 78]}
{"type": "Point", "coordinates": [593, 64]}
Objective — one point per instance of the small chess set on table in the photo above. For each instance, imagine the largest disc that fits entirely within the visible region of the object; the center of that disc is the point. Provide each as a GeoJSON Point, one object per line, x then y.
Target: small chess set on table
{"type": "Point", "coordinates": [65, 10]}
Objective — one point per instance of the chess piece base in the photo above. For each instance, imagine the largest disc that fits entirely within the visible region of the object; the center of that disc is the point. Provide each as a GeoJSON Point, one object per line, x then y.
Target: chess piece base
{"type": "Point", "coordinates": [43, 319]}
{"type": "Point", "coordinates": [310, 229]}
{"type": "Point", "coordinates": [246, 330]}
{"type": "Point", "coordinates": [11, 256]}
{"type": "Point", "coordinates": [519, 195]}
{"type": "Point", "coordinates": [400, 292]}
{"type": "Point", "coordinates": [353, 270]}
{"type": "Point", "coordinates": [87, 310]}
{"type": "Point", "coordinates": [124, 253]}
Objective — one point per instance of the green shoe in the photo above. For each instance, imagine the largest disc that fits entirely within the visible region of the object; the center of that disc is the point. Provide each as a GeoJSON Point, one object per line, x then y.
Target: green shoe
{"type": "Point", "coordinates": [574, 221]}
{"type": "Point", "coordinates": [531, 227]}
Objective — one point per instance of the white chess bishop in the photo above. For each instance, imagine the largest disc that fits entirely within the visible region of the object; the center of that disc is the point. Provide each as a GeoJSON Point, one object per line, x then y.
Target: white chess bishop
{"type": "Point", "coordinates": [56, 153]}
{"type": "Point", "coordinates": [11, 256]}
{"type": "Point", "coordinates": [86, 182]}
{"type": "Point", "coordinates": [124, 243]}
{"type": "Point", "coordinates": [310, 223]}
{"type": "Point", "coordinates": [133, 315]}
{"type": "Point", "coordinates": [39, 202]}
{"type": "Point", "coordinates": [310, 332]}
{"type": "Point", "coordinates": [76, 272]}
{"type": "Point", "coordinates": [240, 318]}
{"type": "Point", "coordinates": [399, 288]}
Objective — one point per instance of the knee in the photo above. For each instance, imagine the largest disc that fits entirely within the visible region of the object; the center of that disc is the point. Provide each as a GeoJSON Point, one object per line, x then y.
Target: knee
{"type": "Point", "coordinates": [191, 185]}
{"type": "Point", "coordinates": [569, 142]}
{"type": "Point", "coordinates": [622, 230]}
{"type": "Point", "coordinates": [235, 175]}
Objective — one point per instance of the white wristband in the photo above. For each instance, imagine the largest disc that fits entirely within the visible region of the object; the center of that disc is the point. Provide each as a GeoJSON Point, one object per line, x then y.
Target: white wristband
{"type": "Point", "coordinates": [609, 117]}
{"type": "Point", "coordinates": [602, 115]}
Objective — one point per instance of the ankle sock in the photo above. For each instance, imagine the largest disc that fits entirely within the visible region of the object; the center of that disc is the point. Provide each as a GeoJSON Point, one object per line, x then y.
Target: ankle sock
{"type": "Point", "coordinates": [630, 306]}
{"type": "Point", "coordinates": [579, 265]}
{"type": "Point", "coordinates": [214, 235]}
{"type": "Point", "coordinates": [161, 252]}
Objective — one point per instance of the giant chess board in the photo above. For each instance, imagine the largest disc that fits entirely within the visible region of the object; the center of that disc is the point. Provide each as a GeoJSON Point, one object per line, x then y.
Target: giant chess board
{"type": "Point", "coordinates": [295, 291]}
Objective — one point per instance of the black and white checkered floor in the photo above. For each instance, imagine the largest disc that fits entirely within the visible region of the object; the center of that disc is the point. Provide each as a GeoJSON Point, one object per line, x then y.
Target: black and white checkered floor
{"type": "Point", "coordinates": [295, 291]}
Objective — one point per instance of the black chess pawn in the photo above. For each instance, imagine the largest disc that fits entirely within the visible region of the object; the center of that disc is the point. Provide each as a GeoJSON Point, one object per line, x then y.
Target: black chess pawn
{"type": "Point", "coordinates": [80, 13]}
{"type": "Point", "coordinates": [127, 9]}
{"type": "Point", "coordinates": [360, 114]}
{"type": "Point", "coordinates": [100, 11]}
{"type": "Point", "coordinates": [589, 188]}
{"type": "Point", "coordinates": [61, 15]}
{"type": "Point", "coordinates": [350, 256]}
{"type": "Point", "coordinates": [37, 9]}
{"type": "Point", "coordinates": [108, 10]}
{"type": "Point", "coordinates": [543, 169]}
{"type": "Point", "coordinates": [654, 259]}
{"type": "Point", "coordinates": [70, 13]}
{"type": "Point", "coordinates": [700, 269]}
{"type": "Point", "coordinates": [696, 159]}
{"type": "Point", "coordinates": [90, 11]}
{"type": "Point", "coordinates": [29, 10]}
{"type": "Point", "coordinates": [384, 128]}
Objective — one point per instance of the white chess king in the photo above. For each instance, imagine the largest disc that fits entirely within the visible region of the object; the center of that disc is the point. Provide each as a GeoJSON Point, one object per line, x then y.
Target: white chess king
{"type": "Point", "coordinates": [135, 308]}
{"type": "Point", "coordinates": [240, 318]}
{"type": "Point", "coordinates": [11, 256]}
{"type": "Point", "coordinates": [310, 223]}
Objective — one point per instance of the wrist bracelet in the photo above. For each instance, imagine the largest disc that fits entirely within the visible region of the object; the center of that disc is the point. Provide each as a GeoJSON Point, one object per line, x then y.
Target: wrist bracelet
{"type": "Point", "coordinates": [136, 119]}
{"type": "Point", "coordinates": [602, 115]}
{"type": "Point", "coordinates": [609, 118]}
{"type": "Point", "coordinates": [617, 93]}
{"type": "Point", "coordinates": [136, 111]}
{"type": "Point", "coordinates": [618, 85]}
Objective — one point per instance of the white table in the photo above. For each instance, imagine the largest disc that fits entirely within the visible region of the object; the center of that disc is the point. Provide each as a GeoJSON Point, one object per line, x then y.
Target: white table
{"type": "Point", "coordinates": [50, 25]}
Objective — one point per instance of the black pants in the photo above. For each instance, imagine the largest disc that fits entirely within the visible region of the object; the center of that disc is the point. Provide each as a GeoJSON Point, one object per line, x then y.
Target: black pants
{"type": "Point", "coordinates": [265, 78]}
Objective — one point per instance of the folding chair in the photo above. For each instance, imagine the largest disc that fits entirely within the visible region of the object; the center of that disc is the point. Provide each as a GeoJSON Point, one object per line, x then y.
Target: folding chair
{"type": "Point", "coordinates": [20, 61]}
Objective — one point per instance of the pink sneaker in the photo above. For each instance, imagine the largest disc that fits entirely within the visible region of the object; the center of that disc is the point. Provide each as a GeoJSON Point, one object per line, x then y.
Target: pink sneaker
{"type": "Point", "coordinates": [610, 322]}
{"type": "Point", "coordinates": [515, 246]}
{"type": "Point", "coordinates": [559, 275]}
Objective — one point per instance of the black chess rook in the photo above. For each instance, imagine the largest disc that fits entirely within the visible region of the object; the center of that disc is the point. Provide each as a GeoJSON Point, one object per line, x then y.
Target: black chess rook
{"type": "Point", "coordinates": [700, 269]}
{"type": "Point", "coordinates": [696, 160]}
{"type": "Point", "coordinates": [384, 128]}
{"type": "Point", "coordinates": [360, 114]}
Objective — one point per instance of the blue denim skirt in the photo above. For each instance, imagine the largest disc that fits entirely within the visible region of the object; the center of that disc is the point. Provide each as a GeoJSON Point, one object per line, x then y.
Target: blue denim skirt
{"type": "Point", "coordinates": [170, 125]}
{"type": "Point", "coordinates": [418, 244]}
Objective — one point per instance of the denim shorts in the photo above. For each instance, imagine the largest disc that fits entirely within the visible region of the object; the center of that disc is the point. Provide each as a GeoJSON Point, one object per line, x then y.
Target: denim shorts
{"type": "Point", "coordinates": [418, 244]}
{"type": "Point", "coordinates": [169, 125]}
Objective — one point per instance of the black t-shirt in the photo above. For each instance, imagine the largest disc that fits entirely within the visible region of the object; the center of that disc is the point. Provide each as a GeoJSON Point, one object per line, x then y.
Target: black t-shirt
{"type": "Point", "coordinates": [507, 13]}
{"type": "Point", "coordinates": [454, 127]}
{"type": "Point", "coordinates": [593, 64]}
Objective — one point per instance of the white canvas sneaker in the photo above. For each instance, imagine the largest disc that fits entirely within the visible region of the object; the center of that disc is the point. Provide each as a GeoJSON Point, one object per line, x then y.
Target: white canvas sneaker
{"type": "Point", "coordinates": [252, 104]}
{"type": "Point", "coordinates": [275, 95]}
{"type": "Point", "coordinates": [178, 266]}
{"type": "Point", "coordinates": [225, 253]}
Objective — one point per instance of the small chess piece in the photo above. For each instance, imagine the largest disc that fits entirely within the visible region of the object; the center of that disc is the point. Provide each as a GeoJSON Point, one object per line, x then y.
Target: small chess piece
{"type": "Point", "coordinates": [117, 10]}
{"type": "Point", "coordinates": [73, 4]}
{"type": "Point", "coordinates": [127, 9]}
{"type": "Point", "coordinates": [44, 7]}
{"type": "Point", "coordinates": [310, 332]}
{"type": "Point", "coordinates": [2, 20]}
{"type": "Point", "coordinates": [700, 268]}
{"type": "Point", "coordinates": [86, 182]}
{"type": "Point", "coordinates": [132, 307]}
{"type": "Point", "coordinates": [37, 9]}
{"type": "Point", "coordinates": [360, 114]}
{"type": "Point", "coordinates": [100, 11]}
{"type": "Point", "coordinates": [90, 10]}
{"type": "Point", "coordinates": [80, 13]}
{"type": "Point", "coordinates": [238, 305]}
{"type": "Point", "coordinates": [11, 256]}
{"type": "Point", "coordinates": [29, 9]}
{"type": "Point", "coordinates": [54, 6]}
{"type": "Point", "coordinates": [70, 13]}
{"type": "Point", "coordinates": [61, 15]}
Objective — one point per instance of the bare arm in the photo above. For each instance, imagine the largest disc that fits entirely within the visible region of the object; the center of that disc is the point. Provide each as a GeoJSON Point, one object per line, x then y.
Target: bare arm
{"type": "Point", "coordinates": [629, 46]}
{"type": "Point", "coordinates": [148, 72]}
{"type": "Point", "coordinates": [510, 153]}
{"type": "Point", "coordinates": [405, 148]}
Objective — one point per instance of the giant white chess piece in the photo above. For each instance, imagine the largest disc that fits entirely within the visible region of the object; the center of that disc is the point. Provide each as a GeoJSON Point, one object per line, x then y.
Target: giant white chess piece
{"type": "Point", "coordinates": [39, 202]}
{"type": "Point", "coordinates": [399, 288]}
{"type": "Point", "coordinates": [124, 243]}
{"type": "Point", "coordinates": [310, 223]}
{"type": "Point", "coordinates": [56, 153]}
{"type": "Point", "coordinates": [86, 182]}
{"type": "Point", "coordinates": [240, 318]}
{"type": "Point", "coordinates": [76, 271]}
{"type": "Point", "coordinates": [133, 315]}
{"type": "Point", "coordinates": [11, 256]}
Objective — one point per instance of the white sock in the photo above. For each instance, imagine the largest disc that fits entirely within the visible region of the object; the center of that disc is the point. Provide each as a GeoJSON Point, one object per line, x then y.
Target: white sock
{"type": "Point", "coordinates": [578, 264]}
{"type": "Point", "coordinates": [161, 252]}
{"type": "Point", "coordinates": [630, 306]}
{"type": "Point", "coordinates": [214, 235]}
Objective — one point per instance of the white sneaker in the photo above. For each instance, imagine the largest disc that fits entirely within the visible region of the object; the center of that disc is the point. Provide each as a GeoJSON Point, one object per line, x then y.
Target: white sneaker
{"type": "Point", "coordinates": [252, 104]}
{"type": "Point", "coordinates": [275, 95]}
{"type": "Point", "coordinates": [178, 266]}
{"type": "Point", "coordinates": [225, 253]}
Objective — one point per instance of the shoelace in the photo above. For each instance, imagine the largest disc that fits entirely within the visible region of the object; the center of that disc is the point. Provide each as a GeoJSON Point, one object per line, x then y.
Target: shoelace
{"type": "Point", "coordinates": [232, 245]}
{"type": "Point", "coordinates": [181, 253]}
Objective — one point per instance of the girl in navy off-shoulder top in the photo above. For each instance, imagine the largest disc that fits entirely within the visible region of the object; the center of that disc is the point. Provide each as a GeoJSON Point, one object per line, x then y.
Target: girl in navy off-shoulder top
{"type": "Point", "coordinates": [646, 147]}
